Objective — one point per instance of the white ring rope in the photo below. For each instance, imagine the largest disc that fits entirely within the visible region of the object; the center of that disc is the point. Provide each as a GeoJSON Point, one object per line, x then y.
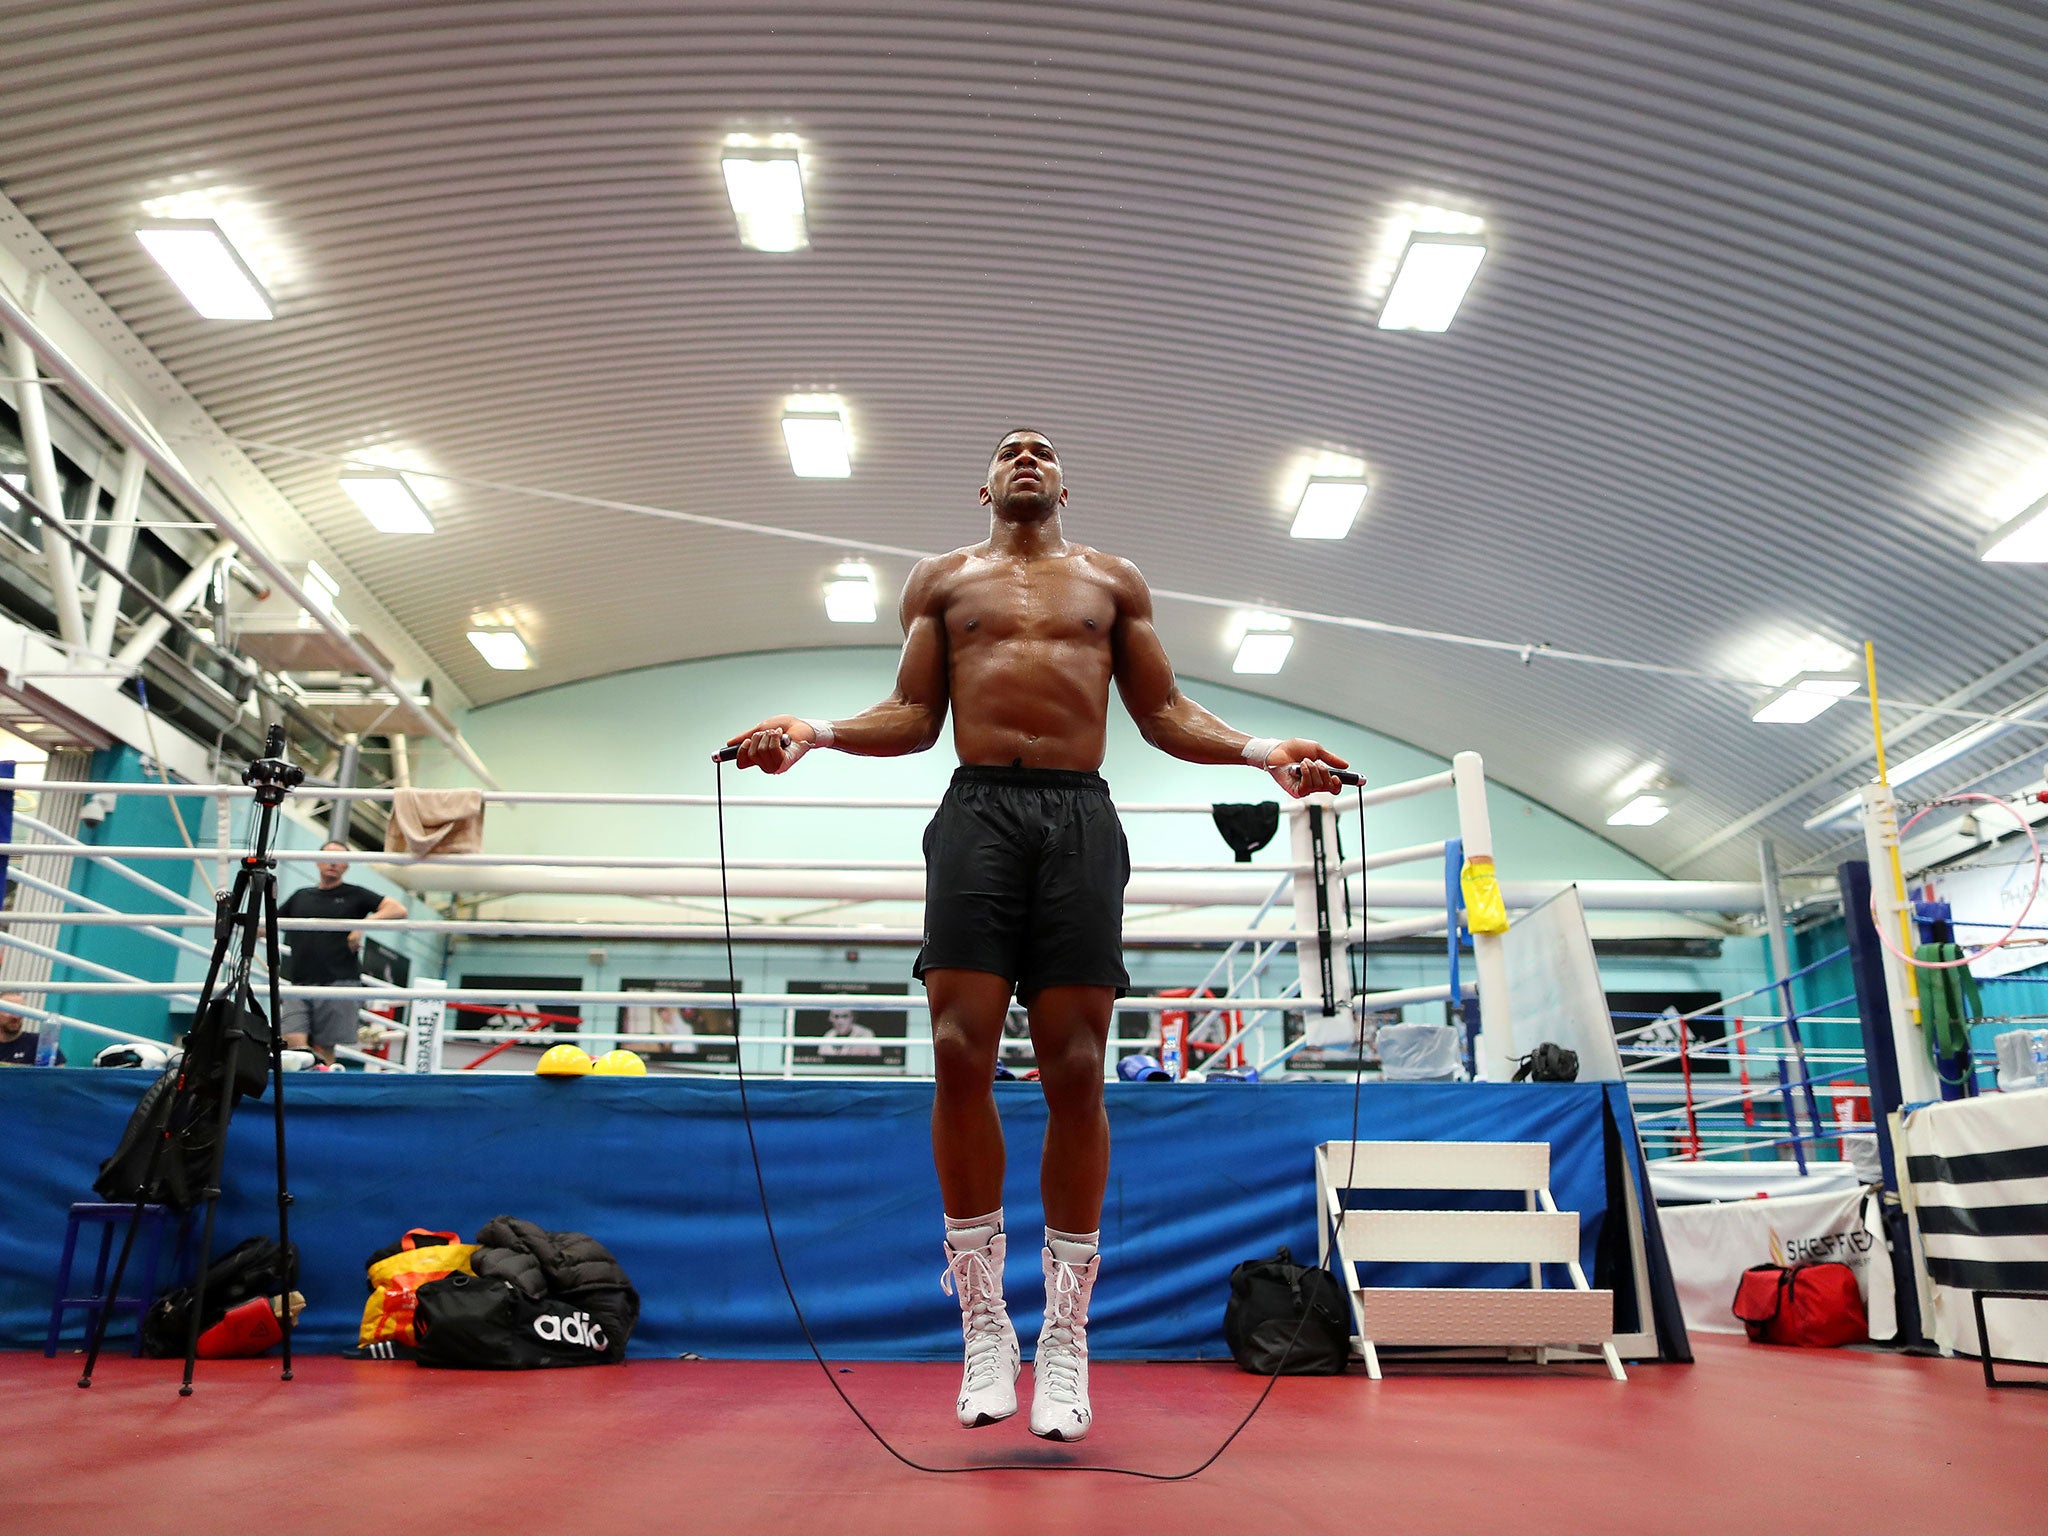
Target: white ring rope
{"type": "Point", "coordinates": [2033, 844]}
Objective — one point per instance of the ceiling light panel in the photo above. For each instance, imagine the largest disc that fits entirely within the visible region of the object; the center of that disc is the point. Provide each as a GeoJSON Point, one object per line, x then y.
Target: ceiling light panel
{"type": "Point", "coordinates": [1263, 643]}
{"type": "Point", "coordinates": [387, 500]}
{"type": "Point", "coordinates": [1806, 698]}
{"type": "Point", "coordinates": [2022, 541]}
{"type": "Point", "coordinates": [1327, 508]}
{"type": "Point", "coordinates": [321, 589]}
{"type": "Point", "coordinates": [1639, 778]}
{"type": "Point", "coordinates": [207, 268]}
{"type": "Point", "coordinates": [1435, 271]}
{"type": "Point", "coordinates": [850, 595]}
{"type": "Point", "coordinates": [502, 645]}
{"type": "Point", "coordinates": [1643, 811]}
{"type": "Point", "coordinates": [820, 441]}
{"type": "Point", "coordinates": [764, 179]}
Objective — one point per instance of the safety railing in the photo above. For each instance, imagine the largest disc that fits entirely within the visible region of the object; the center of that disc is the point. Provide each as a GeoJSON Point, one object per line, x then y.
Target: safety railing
{"type": "Point", "coordinates": [1249, 996]}
{"type": "Point", "coordinates": [1775, 1113]}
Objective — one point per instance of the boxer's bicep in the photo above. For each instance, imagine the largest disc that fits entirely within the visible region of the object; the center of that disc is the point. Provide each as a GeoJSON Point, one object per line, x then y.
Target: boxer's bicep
{"type": "Point", "coordinates": [1144, 674]}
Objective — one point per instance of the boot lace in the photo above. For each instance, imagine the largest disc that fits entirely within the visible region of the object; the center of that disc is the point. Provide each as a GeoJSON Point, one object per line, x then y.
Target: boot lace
{"type": "Point", "coordinates": [1063, 1344]}
{"type": "Point", "coordinates": [971, 1277]}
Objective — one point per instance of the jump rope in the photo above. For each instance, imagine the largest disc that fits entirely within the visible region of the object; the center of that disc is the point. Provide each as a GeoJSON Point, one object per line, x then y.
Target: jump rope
{"type": "Point", "coordinates": [719, 760]}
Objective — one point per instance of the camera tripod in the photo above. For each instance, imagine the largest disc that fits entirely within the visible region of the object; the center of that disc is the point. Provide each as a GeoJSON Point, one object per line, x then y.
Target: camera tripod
{"type": "Point", "coordinates": [231, 1050]}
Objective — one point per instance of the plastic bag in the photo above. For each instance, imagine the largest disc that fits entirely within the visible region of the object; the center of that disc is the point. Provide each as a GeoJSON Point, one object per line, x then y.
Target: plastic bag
{"type": "Point", "coordinates": [1485, 911]}
{"type": "Point", "coordinates": [396, 1279]}
{"type": "Point", "coordinates": [1419, 1053]}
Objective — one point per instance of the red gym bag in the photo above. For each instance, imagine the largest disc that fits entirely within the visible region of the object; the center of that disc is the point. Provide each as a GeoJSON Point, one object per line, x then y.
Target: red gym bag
{"type": "Point", "coordinates": [1814, 1305]}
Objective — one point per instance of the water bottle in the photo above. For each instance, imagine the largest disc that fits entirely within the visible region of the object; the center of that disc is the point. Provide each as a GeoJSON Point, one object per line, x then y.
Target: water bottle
{"type": "Point", "coordinates": [46, 1045]}
{"type": "Point", "coordinates": [1171, 1034]}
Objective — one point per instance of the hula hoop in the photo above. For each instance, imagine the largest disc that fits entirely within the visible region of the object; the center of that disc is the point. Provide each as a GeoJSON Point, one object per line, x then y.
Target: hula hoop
{"type": "Point", "coordinates": [2033, 843]}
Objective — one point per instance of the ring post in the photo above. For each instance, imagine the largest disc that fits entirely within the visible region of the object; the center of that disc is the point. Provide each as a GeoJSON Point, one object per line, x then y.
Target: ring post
{"type": "Point", "coordinates": [1324, 954]}
{"type": "Point", "coordinates": [1918, 1083]}
{"type": "Point", "coordinates": [1489, 960]}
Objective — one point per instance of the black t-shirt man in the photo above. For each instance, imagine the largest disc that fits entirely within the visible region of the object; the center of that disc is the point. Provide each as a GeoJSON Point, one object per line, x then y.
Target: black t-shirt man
{"type": "Point", "coordinates": [324, 958]}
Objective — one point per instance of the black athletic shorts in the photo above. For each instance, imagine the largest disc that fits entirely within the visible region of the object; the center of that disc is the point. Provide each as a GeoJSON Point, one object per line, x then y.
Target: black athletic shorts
{"type": "Point", "coordinates": [1024, 877]}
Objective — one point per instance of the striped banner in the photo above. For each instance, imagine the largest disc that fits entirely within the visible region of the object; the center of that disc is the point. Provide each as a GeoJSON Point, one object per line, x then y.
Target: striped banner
{"type": "Point", "coordinates": [1979, 1174]}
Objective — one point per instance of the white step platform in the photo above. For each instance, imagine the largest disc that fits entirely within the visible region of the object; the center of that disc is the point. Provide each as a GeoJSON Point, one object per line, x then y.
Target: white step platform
{"type": "Point", "coordinates": [1451, 1315]}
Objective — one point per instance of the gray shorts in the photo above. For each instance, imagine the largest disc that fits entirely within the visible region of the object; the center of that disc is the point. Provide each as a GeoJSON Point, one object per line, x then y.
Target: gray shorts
{"type": "Point", "coordinates": [322, 1020]}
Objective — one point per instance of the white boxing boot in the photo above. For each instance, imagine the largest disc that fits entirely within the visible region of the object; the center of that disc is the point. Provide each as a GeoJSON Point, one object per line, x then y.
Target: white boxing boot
{"type": "Point", "coordinates": [988, 1384]}
{"type": "Point", "coordinates": [1059, 1370]}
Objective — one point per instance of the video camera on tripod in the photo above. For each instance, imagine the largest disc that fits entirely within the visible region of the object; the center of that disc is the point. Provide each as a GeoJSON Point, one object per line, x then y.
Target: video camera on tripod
{"type": "Point", "coordinates": [176, 1141]}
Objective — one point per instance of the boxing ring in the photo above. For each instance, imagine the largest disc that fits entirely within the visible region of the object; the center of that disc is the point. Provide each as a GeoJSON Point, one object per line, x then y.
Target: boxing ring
{"type": "Point", "coordinates": [1280, 896]}
{"type": "Point", "coordinates": [1205, 1174]}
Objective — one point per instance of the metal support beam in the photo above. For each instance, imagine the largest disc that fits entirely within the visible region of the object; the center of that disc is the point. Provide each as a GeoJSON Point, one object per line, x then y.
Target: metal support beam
{"type": "Point", "coordinates": [48, 489]}
{"type": "Point", "coordinates": [344, 778]}
{"type": "Point", "coordinates": [172, 477]}
{"type": "Point", "coordinates": [106, 603]}
{"type": "Point", "coordinates": [183, 596]}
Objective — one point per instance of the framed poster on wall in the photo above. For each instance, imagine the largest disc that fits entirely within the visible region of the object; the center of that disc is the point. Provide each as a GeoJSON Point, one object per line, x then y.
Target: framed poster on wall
{"type": "Point", "coordinates": [712, 1017]}
{"type": "Point", "coordinates": [511, 1013]}
{"type": "Point", "coordinates": [1650, 1020]}
{"type": "Point", "coordinates": [849, 1037]}
{"type": "Point", "coordinates": [1134, 1034]}
{"type": "Point", "coordinates": [382, 963]}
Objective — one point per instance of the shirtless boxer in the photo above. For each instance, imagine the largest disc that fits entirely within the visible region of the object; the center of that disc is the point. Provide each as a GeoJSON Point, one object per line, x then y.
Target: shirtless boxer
{"type": "Point", "coordinates": [1021, 636]}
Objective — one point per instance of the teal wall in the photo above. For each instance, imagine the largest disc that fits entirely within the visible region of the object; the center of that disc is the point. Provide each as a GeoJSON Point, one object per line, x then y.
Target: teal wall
{"type": "Point", "coordinates": [147, 820]}
{"type": "Point", "coordinates": [136, 820]}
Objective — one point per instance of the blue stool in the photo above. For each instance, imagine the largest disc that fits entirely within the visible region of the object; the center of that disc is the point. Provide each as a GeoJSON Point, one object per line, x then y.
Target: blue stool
{"type": "Point", "coordinates": [142, 1266]}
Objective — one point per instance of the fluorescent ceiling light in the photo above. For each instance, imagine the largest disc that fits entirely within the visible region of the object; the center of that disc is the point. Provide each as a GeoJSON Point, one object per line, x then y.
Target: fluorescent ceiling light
{"type": "Point", "coordinates": [765, 181]}
{"type": "Point", "coordinates": [502, 646]}
{"type": "Point", "coordinates": [207, 268]}
{"type": "Point", "coordinates": [1809, 695]}
{"type": "Point", "coordinates": [1264, 644]}
{"type": "Point", "coordinates": [1639, 778]}
{"type": "Point", "coordinates": [322, 589]}
{"type": "Point", "coordinates": [1434, 274]}
{"type": "Point", "coordinates": [2021, 541]}
{"type": "Point", "coordinates": [1327, 508]}
{"type": "Point", "coordinates": [820, 446]}
{"type": "Point", "coordinates": [387, 500]}
{"type": "Point", "coordinates": [1643, 811]}
{"type": "Point", "coordinates": [850, 595]}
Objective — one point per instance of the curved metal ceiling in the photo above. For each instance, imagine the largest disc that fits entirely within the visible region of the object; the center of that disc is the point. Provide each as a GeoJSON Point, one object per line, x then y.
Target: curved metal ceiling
{"type": "Point", "coordinates": [1757, 347]}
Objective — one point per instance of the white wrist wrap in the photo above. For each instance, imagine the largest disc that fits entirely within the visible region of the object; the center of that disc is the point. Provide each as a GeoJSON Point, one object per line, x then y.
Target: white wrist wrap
{"type": "Point", "coordinates": [1259, 748]}
{"type": "Point", "coordinates": [821, 732]}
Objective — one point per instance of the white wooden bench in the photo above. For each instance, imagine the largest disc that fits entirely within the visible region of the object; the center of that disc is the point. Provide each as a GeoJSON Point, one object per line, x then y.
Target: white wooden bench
{"type": "Point", "coordinates": [1537, 1235]}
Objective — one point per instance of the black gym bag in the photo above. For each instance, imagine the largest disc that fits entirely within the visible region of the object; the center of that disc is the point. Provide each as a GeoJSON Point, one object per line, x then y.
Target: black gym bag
{"type": "Point", "coordinates": [254, 1267]}
{"type": "Point", "coordinates": [478, 1323]}
{"type": "Point", "coordinates": [1287, 1319]}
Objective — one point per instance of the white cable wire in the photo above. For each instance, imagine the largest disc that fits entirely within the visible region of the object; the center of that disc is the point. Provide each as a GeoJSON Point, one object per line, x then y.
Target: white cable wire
{"type": "Point", "coordinates": [2033, 844]}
